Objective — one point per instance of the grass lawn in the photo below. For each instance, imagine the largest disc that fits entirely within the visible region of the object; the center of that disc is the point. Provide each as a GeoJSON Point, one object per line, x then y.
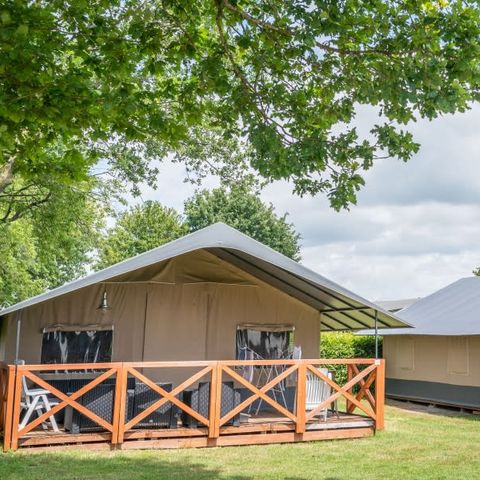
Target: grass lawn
{"type": "Point", "coordinates": [418, 443]}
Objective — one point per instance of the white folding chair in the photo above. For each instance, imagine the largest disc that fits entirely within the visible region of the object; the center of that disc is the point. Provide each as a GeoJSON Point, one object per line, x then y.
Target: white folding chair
{"type": "Point", "coordinates": [36, 400]}
{"type": "Point", "coordinates": [317, 391]}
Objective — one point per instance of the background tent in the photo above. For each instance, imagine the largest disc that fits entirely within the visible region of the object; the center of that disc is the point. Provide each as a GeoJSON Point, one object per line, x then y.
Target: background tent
{"type": "Point", "coordinates": [438, 361]}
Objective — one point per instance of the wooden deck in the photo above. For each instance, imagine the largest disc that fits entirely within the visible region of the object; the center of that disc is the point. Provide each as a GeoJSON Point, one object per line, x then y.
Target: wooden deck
{"type": "Point", "coordinates": [264, 428]}
{"type": "Point", "coordinates": [362, 415]}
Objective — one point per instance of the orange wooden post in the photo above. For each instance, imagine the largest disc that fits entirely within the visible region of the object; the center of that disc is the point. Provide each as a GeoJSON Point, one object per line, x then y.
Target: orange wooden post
{"type": "Point", "coordinates": [17, 397]}
{"type": "Point", "coordinates": [380, 395]}
{"type": "Point", "coordinates": [301, 398]}
{"type": "Point", "coordinates": [350, 407]}
{"type": "Point", "coordinates": [119, 407]}
{"type": "Point", "coordinates": [3, 395]}
{"type": "Point", "coordinates": [215, 401]}
{"type": "Point", "coordinates": [9, 402]}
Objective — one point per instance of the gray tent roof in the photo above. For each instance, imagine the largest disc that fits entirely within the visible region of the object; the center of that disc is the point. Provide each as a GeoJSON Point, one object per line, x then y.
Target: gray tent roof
{"type": "Point", "coordinates": [396, 305]}
{"type": "Point", "coordinates": [452, 310]}
{"type": "Point", "coordinates": [341, 309]}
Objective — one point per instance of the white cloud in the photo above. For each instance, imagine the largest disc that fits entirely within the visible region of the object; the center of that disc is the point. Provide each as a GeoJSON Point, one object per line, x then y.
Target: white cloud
{"type": "Point", "coordinates": [415, 229]}
{"type": "Point", "coordinates": [172, 189]}
{"type": "Point", "coordinates": [386, 277]}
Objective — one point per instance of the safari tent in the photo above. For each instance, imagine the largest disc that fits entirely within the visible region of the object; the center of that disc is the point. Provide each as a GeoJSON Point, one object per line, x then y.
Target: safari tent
{"type": "Point", "coordinates": [438, 361]}
{"type": "Point", "coordinates": [212, 339]}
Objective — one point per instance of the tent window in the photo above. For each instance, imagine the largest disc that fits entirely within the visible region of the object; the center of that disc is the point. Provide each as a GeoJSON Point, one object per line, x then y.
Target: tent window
{"type": "Point", "coordinates": [77, 346]}
{"type": "Point", "coordinates": [457, 360]}
{"type": "Point", "coordinates": [406, 354]}
{"type": "Point", "coordinates": [266, 341]}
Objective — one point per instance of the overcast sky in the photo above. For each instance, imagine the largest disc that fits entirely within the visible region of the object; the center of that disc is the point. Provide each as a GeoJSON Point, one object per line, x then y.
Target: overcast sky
{"type": "Point", "coordinates": [415, 229]}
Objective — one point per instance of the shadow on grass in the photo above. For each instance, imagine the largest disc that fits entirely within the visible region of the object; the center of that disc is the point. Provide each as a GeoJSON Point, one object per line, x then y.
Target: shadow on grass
{"type": "Point", "coordinates": [87, 465]}
{"type": "Point", "coordinates": [414, 407]}
{"type": "Point", "coordinates": [118, 466]}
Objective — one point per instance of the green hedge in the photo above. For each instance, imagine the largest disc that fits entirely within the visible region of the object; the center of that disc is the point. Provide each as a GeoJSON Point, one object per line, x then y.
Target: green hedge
{"type": "Point", "coordinates": [347, 345]}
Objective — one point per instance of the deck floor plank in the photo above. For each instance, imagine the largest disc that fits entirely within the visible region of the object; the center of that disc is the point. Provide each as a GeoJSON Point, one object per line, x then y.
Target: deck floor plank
{"type": "Point", "coordinates": [262, 429]}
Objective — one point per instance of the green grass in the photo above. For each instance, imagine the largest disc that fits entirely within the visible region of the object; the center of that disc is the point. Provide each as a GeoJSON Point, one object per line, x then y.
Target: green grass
{"type": "Point", "coordinates": [415, 445]}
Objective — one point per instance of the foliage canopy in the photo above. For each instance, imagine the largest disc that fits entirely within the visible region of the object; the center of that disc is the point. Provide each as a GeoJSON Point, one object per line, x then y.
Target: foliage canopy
{"type": "Point", "coordinates": [48, 248]}
{"type": "Point", "coordinates": [244, 210]}
{"type": "Point", "coordinates": [137, 230]}
{"type": "Point", "coordinates": [115, 84]}
{"type": "Point", "coordinates": [150, 225]}
{"type": "Point", "coordinates": [347, 345]}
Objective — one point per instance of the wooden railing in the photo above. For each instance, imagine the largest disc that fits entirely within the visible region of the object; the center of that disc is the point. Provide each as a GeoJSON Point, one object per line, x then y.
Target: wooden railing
{"type": "Point", "coordinates": [363, 393]}
{"type": "Point", "coordinates": [3, 394]}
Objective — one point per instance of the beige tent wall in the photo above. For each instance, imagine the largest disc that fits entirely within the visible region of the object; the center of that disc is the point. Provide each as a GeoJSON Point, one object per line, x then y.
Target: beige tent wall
{"type": "Point", "coordinates": [80, 309]}
{"type": "Point", "coordinates": [444, 359]}
{"type": "Point", "coordinates": [186, 308]}
{"type": "Point", "coordinates": [3, 338]}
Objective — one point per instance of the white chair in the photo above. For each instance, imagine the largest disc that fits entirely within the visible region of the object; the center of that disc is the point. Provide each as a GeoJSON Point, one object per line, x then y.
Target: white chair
{"type": "Point", "coordinates": [297, 352]}
{"type": "Point", "coordinates": [36, 400]}
{"type": "Point", "coordinates": [317, 391]}
{"type": "Point", "coordinates": [247, 370]}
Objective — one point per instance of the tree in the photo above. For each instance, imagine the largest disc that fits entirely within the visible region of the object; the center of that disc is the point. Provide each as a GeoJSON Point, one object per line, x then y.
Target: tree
{"type": "Point", "coordinates": [149, 225]}
{"type": "Point", "coordinates": [66, 231]}
{"type": "Point", "coordinates": [48, 248]}
{"type": "Point", "coordinates": [113, 85]}
{"type": "Point", "coordinates": [244, 210]}
{"type": "Point", "coordinates": [19, 270]}
{"type": "Point", "coordinates": [137, 230]}
{"type": "Point", "coordinates": [476, 271]}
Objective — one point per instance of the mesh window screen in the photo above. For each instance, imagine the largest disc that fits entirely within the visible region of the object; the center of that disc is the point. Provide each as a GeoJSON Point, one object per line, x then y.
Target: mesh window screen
{"type": "Point", "coordinates": [265, 341]}
{"type": "Point", "coordinates": [77, 347]}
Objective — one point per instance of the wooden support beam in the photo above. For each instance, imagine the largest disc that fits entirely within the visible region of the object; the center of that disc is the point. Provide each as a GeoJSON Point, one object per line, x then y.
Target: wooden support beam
{"type": "Point", "coordinates": [17, 397]}
{"type": "Point", "coordinates": [215, 401]}
{"type": "Point", "coordinates": [349, 405]}
{"type": "Point", "coordinates": [120, 404]}
{"type": "Point", "coordinates": [380, 395]}
{"type": "Point", "coordinates": [301, 397]}
{"type": "Point", "coordinates": [228, 440]}
{"type": "Point", "coordinates": [3, 393]}
{"type": "Point", "coordinates": [250, 439]}
{"type": "Point", "coordinates": [148, 434]}
{"type": "Point", "coordinates": [64, 439]}
{"type": "Point", "coordinates": [9, 404]}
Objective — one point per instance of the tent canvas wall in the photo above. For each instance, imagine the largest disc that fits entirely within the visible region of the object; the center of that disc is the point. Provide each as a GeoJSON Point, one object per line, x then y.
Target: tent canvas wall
{"type": "Point", "coordinates": [438, 361]}
{"type": "Point", "coordinates": [187, 308]}
{"type": "Point", "coordinates": [185, 300]}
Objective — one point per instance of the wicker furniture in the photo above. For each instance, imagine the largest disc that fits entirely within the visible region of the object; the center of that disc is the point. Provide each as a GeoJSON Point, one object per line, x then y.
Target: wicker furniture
{"type": "Point", "coordinates": [99, 400]}
{"type": "Point", "coordinates": [143, 397]}
{"type": "Point", "coordinates": [199, 400]}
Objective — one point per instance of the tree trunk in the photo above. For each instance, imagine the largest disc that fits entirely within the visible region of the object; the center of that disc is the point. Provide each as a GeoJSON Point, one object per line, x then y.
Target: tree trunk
{"type": "Point", "coordinates": [6, 175]}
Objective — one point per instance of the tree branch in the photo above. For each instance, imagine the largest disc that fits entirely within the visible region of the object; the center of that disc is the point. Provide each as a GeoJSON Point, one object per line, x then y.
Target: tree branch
{"type": "Point", "coordinates": [289, 33]}
{"type": "Point", "coordinates": [247, 86]}
{"type": "Point", "coordinates": [8, 218]}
